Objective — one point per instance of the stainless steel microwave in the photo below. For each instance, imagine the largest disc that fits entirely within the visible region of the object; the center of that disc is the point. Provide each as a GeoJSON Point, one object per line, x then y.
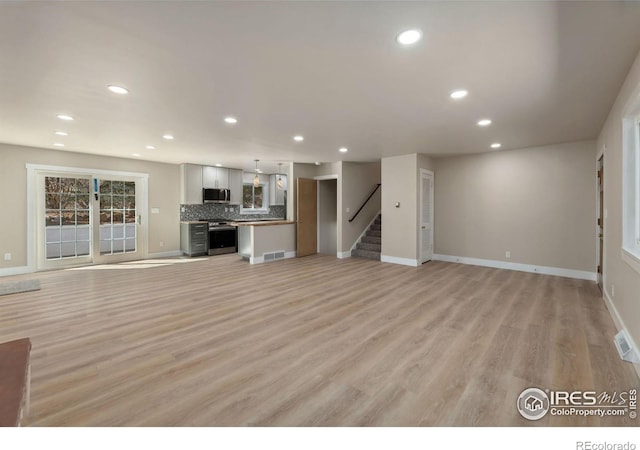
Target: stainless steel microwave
{"type": "Point", "coordinates": [216, 195]}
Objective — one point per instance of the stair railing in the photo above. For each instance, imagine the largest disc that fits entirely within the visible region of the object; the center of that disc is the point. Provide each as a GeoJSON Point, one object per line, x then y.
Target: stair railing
{"type": "Point", "coordinates": [377, 186]}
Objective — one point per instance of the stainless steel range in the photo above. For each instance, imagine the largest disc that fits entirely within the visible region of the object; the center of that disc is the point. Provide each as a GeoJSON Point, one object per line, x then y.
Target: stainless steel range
{"type": "Point", "coordinates": [223, 238]}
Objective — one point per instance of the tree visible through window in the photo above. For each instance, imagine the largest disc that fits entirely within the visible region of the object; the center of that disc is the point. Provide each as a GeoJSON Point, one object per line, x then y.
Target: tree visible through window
{"type": "Point", "coordinates": [252, 196]}
{"type": "Point", "coordinates": [66, 217]}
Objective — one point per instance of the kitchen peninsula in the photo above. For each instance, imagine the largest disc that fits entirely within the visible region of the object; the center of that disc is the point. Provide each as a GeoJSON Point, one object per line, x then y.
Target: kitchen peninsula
{"type": "Point", "coordinates": [266, 240]}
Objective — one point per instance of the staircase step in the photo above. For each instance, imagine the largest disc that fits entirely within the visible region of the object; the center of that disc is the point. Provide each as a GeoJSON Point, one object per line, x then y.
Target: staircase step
{"type": "Point", "coordinates": [366, 254]}
{"type": "Point", "coordinates": [371, 240]}
{"type": "Point", "coordinates": [368, 246]}
{"type": "Point", "coordinates": [376, 227]}
{"type": "Point", "coordinates": [374, 233]}
{"type": "Point", "coordinates": [378, 220]}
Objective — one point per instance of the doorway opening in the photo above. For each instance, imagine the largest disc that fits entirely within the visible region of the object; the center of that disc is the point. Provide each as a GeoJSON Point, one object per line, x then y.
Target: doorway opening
{"type": "Point", "coordinates": [328, 217]}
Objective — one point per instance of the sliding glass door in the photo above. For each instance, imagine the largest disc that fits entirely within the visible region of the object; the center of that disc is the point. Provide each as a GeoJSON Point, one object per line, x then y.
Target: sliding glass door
{"type": "Point", "coordinates": [85, 218]}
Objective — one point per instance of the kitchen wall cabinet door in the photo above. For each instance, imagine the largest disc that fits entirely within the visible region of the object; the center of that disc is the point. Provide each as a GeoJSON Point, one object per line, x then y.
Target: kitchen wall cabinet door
{"type": "Point", "coordinates": [276, 195]}
{"type": "Point", "coordinates": [222, 178]}
{"type": "Point", "coordinates": [209, 176]}
{"type": "Point", "coordinates": [190, 184]}
{"type": "Point", "coordinates": [215, 177]}
{"type": "Point", "coordinates": [235, 185]}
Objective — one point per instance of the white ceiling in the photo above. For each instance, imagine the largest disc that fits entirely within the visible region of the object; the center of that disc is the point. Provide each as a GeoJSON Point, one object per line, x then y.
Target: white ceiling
{"type": "Point", "coordinates": [544, 72]}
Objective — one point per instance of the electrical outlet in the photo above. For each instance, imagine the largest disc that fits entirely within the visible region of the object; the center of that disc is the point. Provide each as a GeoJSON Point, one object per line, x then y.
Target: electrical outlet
{"type": "Point", "coordinates": [7, 256]}
{"type": "Point", "coordinates": [613, 290]}
{"type": "Point", "coordinates": [161, 244]}
{"type": "Point", "coordinates": [348, 209]}
{"type": "Point", "coordinates": [507, 254]}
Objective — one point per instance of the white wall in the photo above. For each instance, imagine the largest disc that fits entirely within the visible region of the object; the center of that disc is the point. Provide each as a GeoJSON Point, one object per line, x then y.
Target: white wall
{"type": "Point", "coordinates": [537, 203]}
{"type": "Point", "coordinates": [625, 304]}
{"type": "Point", "coordinates": [400, 227]}
{"type": "Point", "coordinates": [164, 194]}
{"type": "Point", "coordinates": [399, 224]}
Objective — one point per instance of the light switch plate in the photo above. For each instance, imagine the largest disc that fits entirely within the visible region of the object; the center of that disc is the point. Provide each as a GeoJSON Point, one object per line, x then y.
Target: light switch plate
{"type": "Point", "coordinates": [155, 210]}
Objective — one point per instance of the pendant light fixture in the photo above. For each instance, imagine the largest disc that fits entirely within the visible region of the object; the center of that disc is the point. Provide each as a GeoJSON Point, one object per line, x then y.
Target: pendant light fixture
{"type": "Point", "coordinates": [256, 179]}
{"type": "Point", "coordinates": [280, 183]}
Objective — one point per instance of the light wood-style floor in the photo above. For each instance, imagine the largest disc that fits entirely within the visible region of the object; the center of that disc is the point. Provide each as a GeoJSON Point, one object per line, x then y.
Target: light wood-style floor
{"type": "Point", "coordinates": [313, 341]}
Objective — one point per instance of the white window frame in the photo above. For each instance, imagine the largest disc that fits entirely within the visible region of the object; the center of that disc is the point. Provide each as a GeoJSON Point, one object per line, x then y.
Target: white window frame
{"type": "Point", "coordinates": [631, 187]}
{"type": "Point", "coordinates": [265, 200]}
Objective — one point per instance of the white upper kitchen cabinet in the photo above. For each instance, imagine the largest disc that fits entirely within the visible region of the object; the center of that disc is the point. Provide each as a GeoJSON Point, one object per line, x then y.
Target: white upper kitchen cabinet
{"type": "Point", "coordinates": [276, 195]}
{"type": "Point", "coordinates": [235, 185]}
{"type": "Point", "coordinates": [215, 177]}
{"type": "Point", "coordinates": [190, 184]}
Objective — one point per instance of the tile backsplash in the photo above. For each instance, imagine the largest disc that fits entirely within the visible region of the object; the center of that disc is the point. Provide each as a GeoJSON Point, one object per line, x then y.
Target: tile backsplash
{"type": "Point", "coordinates": [217, 211]}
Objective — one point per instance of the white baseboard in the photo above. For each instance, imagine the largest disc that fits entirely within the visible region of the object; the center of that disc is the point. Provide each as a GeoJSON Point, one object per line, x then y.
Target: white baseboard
{"type": "Point", "coordinates": [170, 254]}
{"type": "Point", "coordinates": [619, 323]}
{"type": "Point", "coordinates": [20, 270]}
{"type": "Point", "coordinates": [260, 259]}
{"type": "Point", "coordinates": [545, 270]}
{"type": "Point", "coordinates": [402, 261]}
{"type": "Point", "coordinates": [342, 255]}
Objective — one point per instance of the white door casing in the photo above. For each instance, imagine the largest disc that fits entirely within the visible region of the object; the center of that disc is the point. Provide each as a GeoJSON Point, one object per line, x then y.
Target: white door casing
{"type": "Point", "coordinates": [425, 221]}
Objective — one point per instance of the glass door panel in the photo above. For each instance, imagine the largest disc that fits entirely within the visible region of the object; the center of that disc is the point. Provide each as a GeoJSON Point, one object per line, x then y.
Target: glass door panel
{"type": "Point", "coordinates": [64, 237]}
{"type": "Point", "coordinates": [66, 217]}
{"type": "Point", "coordinates": [118, 220]}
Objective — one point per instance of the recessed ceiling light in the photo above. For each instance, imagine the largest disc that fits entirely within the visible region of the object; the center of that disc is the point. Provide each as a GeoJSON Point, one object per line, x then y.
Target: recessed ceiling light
{"type": "Point", "coordinates": [62, 133]}
{"type": "Point", "coordinates": [344, 150]}
{"type": "Point", "coordinates": [484, 122]}
{"type": "Point", "coordinates": [496, 145]}
{"type": "Point", "coordinates": [230, 120]}
{"type": "Point", "coordinates": [135, 154]}
{"type": "Point", "coordinates": [317, 163]}
{"type": "Point", "coordinates": [460, 93]}
{"type": "Point", "coordinates": [218, 165]}
{"type": "Point", "coordinates": [117, 89]}
{"type": "Point", "coordinates": [298, 138]}
{"type": "Point", "coordinates": [168, 137]}
{"type": "Point", "coordinates": [409, 37]}
{"type": "Point", "coordinates": [58, 144]}
{"type": "Point", "coordinates": [64, 117]}
{"type": "Point", "coordinates": [150, 147]}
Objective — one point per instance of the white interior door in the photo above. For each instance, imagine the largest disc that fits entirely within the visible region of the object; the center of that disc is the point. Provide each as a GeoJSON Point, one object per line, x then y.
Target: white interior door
{"type": "Point", "coordinates": [426, 216]}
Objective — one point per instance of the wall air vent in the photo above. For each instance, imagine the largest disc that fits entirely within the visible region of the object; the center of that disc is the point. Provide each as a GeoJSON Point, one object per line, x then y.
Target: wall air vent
{"type": "Point", "coordinates": [626, 351]}
{"type": "Point", "coordinates": [273, 256]}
